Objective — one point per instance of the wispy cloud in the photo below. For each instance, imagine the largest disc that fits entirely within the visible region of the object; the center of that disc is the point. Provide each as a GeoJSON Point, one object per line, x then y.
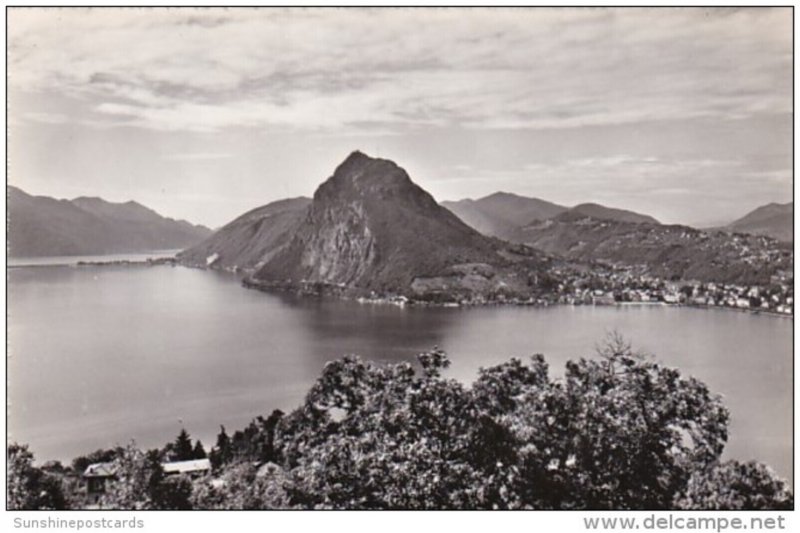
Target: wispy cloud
{"type": "Point", "coordinates": [46, 118]}
{"type": "Point", "coordinates": [341, 70]}
{"type": "Point", "coordinates": [198, 156]}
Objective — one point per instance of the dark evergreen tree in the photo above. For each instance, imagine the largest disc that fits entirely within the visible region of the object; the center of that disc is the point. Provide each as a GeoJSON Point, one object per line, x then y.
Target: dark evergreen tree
{"type": "Point", "coordinates": [199, 452]}
{"type": "Point", "coordinates": [221, 453]}
{"type": "Point", "coordinates": [182, 447]}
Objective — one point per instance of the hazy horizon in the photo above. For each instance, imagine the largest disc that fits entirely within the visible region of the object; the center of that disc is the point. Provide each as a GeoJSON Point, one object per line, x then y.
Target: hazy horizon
{"type": "Point", "coordinates": [202, 114]}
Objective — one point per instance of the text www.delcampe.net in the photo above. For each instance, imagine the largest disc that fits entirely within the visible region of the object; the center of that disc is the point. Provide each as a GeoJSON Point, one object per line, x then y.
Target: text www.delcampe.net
{"type": "Point", "coordinates": [678, 522]}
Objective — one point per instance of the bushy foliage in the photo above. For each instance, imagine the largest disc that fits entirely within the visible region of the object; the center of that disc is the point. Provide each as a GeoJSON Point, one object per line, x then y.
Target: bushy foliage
{"type": "Point", "coordinates": [619, 431]}
{"type": "Point", "coordinates": [616, 433]}
{"type": "Point", "coordinates": [173, 493]}
{"type": "Point", "coordinates": [244, 486]}
{"type": "Point", "coordinates": [739, 486]}
{"type": "Point", "coordinates": [136, 480]}
{"type": "Point", "coordinates": [29, 487]}
{"type": "Point", "coordinates": [255, 443]}
{"type": "Point", "coordinates": [79, 464]}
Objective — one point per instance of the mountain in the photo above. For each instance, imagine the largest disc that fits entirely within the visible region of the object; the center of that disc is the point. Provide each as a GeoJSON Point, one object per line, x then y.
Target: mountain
{"type": "Point", "coordinates": [773, 220]}
{"type": "Point", "coordinates": [601, 212]}
{"type": "Point", "coordinates": [42, 226]}
{"type": "Point", "coordinates": [251, 239]}
{"type": "Point", "coordinates": [667, 251]}
{"type": "Point", "coordinates": [370, 228]}
{"type": "Point", "coordinates": [499, 214]}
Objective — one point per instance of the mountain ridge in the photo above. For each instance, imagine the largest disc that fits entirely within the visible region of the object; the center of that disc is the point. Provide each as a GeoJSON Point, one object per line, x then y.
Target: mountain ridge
{"type": "Point", "coordinates": [602, 212]}
{"type": "Point", "coordinates": [42, 226]}
{"type": "Point", "coordinates": [250, 239]}
{"type": "Point", "coordinates": [500, 213]}
{"type": "Point", "coordinates": [773, 220]}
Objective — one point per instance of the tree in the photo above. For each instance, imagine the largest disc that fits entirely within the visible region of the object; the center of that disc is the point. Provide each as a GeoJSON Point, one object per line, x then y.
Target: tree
{"type": "Point", "coordinates": [221, 453]}
{"type": "Point", "coordinates": [137, 478]}
{"type": "Point", "coordinates": [617, 431]}
{"type": "Point", "coordinates": [173, 493]}
{"type": "Point", "coordinates": [383, 437]}
{"type": "Point", "coordinates": [29, 487]}
{"type": "Point", "coordinates": [244, 486]}
{"type": "Point", "coordinates": [198, 452]}
{"type": "Point", "coordinates": [621, 432]}
{"type": "Point", "coordinates": [79, 464]}
{"type": "Point", "coordinates": [256, 441]}
{"type": "Point", "coordinates": [734, 485]}
{"type": "Point", "coordinates": [181, 448]}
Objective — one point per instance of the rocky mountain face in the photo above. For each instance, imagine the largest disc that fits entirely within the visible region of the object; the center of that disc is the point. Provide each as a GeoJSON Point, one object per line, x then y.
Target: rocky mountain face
{"type": "Point", "coordinates": [370, 228]}
{"type": "Point", "coordinates": [43, 226]}
{"type": "Point", "coordinates": [773, 220]}
{"type": "Point", "coordinates": [501, 213]}
{"type": "Point", "coordinates": [250, 240]}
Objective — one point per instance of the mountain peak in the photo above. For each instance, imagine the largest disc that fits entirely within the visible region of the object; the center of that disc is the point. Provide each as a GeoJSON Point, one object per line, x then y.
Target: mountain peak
{"type": "Point", "coordinates": [501, 195]}
{"type": "Point", "coordinates": [500, 214]}
{"type": "Point", "coordinates": [358, 164]}
{"type": "Point", "coordinates": [361, 176]}
{"type": "Point", "coordinates": [370, 227]}
{"type": "Point", "coordinates": [773, 219]}
{"type": "Point", "coordinates": [601, 212]}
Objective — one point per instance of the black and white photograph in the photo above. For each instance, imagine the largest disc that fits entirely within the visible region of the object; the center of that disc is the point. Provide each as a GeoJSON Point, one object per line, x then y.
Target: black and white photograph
{"type": "Point", "coordinates": [400, 258]}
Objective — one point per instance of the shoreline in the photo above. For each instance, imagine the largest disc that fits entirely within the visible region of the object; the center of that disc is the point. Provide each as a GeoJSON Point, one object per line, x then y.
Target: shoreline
{"type": "Point", "coordinates": [408, 302]}
{"type": "Point", "coordinates": [149, 261]}
{"type": "Point", "coordinates": [397, 301]}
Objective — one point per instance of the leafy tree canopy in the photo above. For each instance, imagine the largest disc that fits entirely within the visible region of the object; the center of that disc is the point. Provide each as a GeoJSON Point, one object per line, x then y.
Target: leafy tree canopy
{"type": "Point", "coordinates": [618, 431]}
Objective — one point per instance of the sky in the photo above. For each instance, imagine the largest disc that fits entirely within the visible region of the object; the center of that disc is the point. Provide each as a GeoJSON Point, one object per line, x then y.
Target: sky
{"type": "Point", "coordinates": [202, 114]}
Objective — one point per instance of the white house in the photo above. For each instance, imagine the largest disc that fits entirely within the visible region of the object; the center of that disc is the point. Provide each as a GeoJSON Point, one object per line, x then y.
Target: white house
{"type": "Point", "coordinates": [194, 467]}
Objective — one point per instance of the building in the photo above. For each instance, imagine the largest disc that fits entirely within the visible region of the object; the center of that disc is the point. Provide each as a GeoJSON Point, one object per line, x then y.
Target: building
{"type": "Point", "coordinates": [671, 298]}
{"type": "Point", "coordinates": [193, 468]}
{"type": "Point", "coordinates": [97, 476]}
{"type": "Point", "coordinates": [603, 299]}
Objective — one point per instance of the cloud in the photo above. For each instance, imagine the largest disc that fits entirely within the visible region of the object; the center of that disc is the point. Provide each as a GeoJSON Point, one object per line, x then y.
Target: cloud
{"type": "Point", "coordinates": [46, 118]}
{"type": "Point", "coordinates": [197, 156]}
{"type": "Point", "coordinates": [337, 70]}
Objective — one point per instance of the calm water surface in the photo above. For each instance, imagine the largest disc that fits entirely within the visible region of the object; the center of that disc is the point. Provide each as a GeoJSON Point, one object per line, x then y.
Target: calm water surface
{"type": "Point", "coordinates": [102, 355]}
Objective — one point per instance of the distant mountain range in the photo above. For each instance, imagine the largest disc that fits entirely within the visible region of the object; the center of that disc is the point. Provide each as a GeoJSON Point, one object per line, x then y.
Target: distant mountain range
{"type": "Point", "coordinates": [592, 232]}
{"type": "Point", "coordinates": [369, 228]}
{"type": "Point", "coordinates": [668, 251]}
{"type": "Point", "coordinates": [43, 226]}
{"type": "Point", "coordinates": [501, 214]}
{"type": "Point", "coordinates": [773, 220]}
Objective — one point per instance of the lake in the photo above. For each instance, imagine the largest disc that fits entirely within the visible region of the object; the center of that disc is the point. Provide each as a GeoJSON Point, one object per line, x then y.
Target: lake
{"type": "Point", "coordinates": [101, 355]}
